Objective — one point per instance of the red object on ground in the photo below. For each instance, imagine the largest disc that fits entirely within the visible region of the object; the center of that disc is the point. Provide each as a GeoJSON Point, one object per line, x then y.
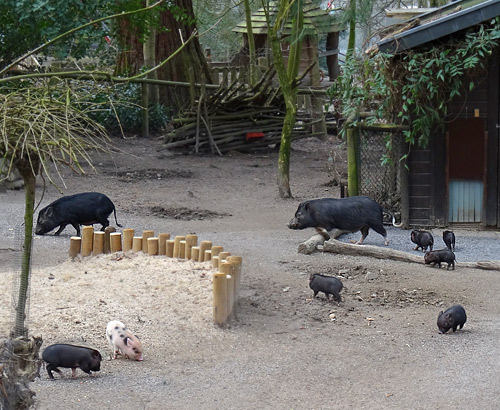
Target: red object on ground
{"type": "Point", "coordinates": [254, 135]}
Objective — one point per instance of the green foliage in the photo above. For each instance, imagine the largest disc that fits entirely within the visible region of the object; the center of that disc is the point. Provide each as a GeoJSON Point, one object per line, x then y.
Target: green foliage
{"type": "Point", "coordinates": [416, 87]}
{"type": "Point", "coordinates": [118, 109]}
{"type": "Point", "coordinates": [26, 24]}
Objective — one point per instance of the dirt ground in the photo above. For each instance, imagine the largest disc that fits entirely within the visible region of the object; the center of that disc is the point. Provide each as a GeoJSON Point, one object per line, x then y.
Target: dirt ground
{"type": "Point", "coordinates": [378, 349]}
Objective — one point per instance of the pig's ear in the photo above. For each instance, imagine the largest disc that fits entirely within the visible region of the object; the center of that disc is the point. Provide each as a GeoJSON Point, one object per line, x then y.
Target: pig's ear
{"type": "Point", "coordinates": [126, 341]}
{"type": "Point", "coordinates": [95, 354]}
{"type": "Point", "coordinates": [449, 315]}
{"type": "Point", "coordinates": [50, 212]}
{"type": "Point", "coordinates": [440, 314]}
{"type": "Point", "coordinates": [307, 206]}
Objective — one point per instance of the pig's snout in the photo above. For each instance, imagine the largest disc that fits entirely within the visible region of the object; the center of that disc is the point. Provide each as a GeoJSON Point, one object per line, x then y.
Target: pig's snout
{"type": "Point", "coordinates": [293, 224]}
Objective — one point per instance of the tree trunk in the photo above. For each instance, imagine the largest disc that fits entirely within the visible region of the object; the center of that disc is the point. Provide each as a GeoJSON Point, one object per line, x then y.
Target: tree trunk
{"type": "Point", "coordinates": [28, 173]}
{"type": "Point", "coordinates": [191, 56]}
{"type": "Point", "coordinates": [251, 45]}
{"type": "Point", "coordinates": [177, 69]}
{"type": "Point", "coordinates": [286, 79]}
{"type": "Point", "coordinates": [351, 44]}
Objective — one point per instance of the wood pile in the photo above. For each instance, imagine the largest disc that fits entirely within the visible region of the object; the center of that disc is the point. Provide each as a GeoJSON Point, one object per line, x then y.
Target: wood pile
{"type": "Point", "coordinates": [238, 117]}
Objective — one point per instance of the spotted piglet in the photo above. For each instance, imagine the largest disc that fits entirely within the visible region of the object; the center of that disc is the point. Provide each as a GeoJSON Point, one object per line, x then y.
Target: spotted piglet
{"type": "Point", "coordinates": [123, 341]}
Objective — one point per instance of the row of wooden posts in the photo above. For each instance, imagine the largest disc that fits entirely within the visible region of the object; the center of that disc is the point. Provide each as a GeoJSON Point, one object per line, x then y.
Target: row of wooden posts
{"type": "Point", "coordinates": [226, 279]}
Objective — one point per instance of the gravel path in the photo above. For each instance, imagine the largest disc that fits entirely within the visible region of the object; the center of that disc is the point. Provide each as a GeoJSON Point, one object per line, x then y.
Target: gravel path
{"type": "Point", "coordinates": [471, 245]}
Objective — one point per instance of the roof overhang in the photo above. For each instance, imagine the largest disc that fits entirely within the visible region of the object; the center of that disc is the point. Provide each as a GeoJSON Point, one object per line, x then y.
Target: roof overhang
{"type": "Point", "coordinates": [440, 27]}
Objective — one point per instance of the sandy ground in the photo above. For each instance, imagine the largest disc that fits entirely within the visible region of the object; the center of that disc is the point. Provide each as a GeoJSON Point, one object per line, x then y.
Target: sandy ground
{"type": "Point", "coordinates": [380, 349]}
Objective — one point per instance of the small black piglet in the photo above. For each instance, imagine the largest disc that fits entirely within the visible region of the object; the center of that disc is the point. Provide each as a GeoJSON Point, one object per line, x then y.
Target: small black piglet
{"type": "Point", "coordinates": [326, 284]}
{"type": "Point", "coordinates": [449, 240]}
{"type": "Point", "coordinates": [422, 239]}
{"type": "Point", "coordinates": [439, 256]}
{"type": "Point", "coordinates": [451, 318]}
{"type": "Point", "coordinates": [70, 356]}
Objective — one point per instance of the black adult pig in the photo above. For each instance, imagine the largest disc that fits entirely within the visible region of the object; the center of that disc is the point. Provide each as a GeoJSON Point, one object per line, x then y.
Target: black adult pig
{"type": "Point", "coordinates": [80, 209]}
{"type": "Point", "coordinates": [449, 240]}
{"type": "Point", "coordinates": [451, 318]}
{"type": "Point", "coordinates": [441, 255]}
{"type": "Point", "coordinates": [64, 355]}
{"type": "Point", "coordinates": [422, 239]}
{"type": "Point", "coordinates": [326, 284]}
{"type": "Point", "coordinates": [356, 213]}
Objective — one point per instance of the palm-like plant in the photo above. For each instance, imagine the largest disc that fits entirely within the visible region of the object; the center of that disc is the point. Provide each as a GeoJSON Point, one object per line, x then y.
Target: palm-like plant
{"type": "Point", "coordinates": [42, 127]}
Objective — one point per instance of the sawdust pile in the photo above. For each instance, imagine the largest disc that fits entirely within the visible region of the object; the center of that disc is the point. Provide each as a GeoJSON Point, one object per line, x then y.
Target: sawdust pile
{"type": "Point", "coordinates": [157, 297]}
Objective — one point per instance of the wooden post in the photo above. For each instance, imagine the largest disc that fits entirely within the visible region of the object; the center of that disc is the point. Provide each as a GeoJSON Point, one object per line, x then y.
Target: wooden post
{"type": "Point", "coordinates": [128, 239]}
{"type": "Point", "coordinates": [145, 236]}
{"type": "Point", "coordinates": [115, 242]}
{"type": "Point", "coordinates": [216, 249]}
{"type": "Point", "coordinates": [170, 248]}
{"type": "Point", "coordinates": [87, 239]}
{"type": "Point", "coordinates": [195, 253]}
{"type": "Point", "coordinates": [107, 232]}
{"type": "Point", "coordinates": [137, 244]}
{"type": "Point", "coordinates": [227, 268]}
{"type": "Point", "coordinates": [219, 293]}
{"type": "Point", "coordinates": [177, 245]}
{"type": "Point", "coordinates": [352, 161]}
{"type": "Point", "coordinates": [182, 249]}
{"type": "Point", "coordinates": [215, 262]}
{"type": "Point", "coordinates": [98, 245]}
{"type": "Point", "coordinates": [191, 240]}
{"type": "Point", "coordinates": [236, 262]}
{"type": "Point", "coordinates": [204, 245]}
{"type": "Point", "coordinates": [75, 245]}
{"type": "Point", "coordinates": [162, 243]}
{"type": "Point", "coordinates": [153, 244]}
{"type": "Point", "coordinates": [223, 256]}
{"type": "Point", "coordinates": [208, 255]}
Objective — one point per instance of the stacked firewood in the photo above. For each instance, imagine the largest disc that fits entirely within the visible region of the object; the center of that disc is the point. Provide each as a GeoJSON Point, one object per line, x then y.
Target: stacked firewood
{"type": "Point", "coordinates": [238, 117]}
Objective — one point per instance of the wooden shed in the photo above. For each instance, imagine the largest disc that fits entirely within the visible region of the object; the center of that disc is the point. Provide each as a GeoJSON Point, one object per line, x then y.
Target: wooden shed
{"type": "Point", "coordinates": [455, 179]}
{"type": "Point", "coordinates": [319, 24]}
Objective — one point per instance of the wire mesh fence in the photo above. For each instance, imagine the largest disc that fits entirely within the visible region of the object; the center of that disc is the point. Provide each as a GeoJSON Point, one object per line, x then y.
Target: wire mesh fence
{"type": "Point", "coordinates": [382, 182]}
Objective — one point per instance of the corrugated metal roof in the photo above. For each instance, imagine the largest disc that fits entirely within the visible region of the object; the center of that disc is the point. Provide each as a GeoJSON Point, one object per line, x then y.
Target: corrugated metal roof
{"type": "Point", "coordinates": [316, 20]}
{"type": "Point", "coordinates": [441, 22]}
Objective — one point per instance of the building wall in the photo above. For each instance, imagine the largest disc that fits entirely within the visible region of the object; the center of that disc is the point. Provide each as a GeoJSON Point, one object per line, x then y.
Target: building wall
{"type": "Point", "coordinates": [428, 178]}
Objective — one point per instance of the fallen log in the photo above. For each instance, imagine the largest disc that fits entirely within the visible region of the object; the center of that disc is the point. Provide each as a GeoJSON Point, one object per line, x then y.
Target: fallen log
{"type": "Point", "coordinates": [312, 243]}
{"type": "Point", "coordinates": [379, 252]}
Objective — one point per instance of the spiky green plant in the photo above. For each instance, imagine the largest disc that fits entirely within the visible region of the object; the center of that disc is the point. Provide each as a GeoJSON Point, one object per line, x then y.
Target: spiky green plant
{"type": "Point", "coordinates": [41, 130]}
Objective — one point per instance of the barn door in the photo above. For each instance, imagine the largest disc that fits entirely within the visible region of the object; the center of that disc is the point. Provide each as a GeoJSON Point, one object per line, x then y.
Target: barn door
{"type": "Point", "coordinates": [466, 142]}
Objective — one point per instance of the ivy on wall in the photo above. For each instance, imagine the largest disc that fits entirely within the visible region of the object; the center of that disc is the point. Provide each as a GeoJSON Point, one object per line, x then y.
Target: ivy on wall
{"type": "Point", "coordinates": [417, 85]}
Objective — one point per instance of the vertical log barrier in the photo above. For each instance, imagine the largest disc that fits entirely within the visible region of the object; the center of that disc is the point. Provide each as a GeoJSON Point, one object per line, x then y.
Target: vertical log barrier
{"type": "Point", "coordinates": [204, 246]}
{"type": "Point", "coordinates": [128, 239]}
{"type": "Point", "coordinates": [115, 242]}
{"type": "Point", "coordinates": [226, 279]}
{"type": "Point", "coordinates": [137, 244]}
{"type": "Point", "coordinates": [191, 240]}
{"type": "Point", "coordinates": [170, 248]}
{"type": "Point", "coordinates": [236, 262]}
{"type": "Point", "coordinates": [227, 269]}
{"type": "Point", "coordinates": [107, 232]}
{"type": "Point", "coordinates": [75, 246]}
{"type": "Point", "coordinates": [219, 292]}
{"type": "Point", "coordinates": [162, 243]}
{"type": "Point", "coordinates": [195, 253]}
{"type": "Point", "coordinates": [145, 236]}
{"type": "Point", "coordinates": [153, 244]}
{"type": "Point", "coordinates": [98, 245]}
{"type": "Point", "coordinates": [87, 240]}
{"type": "Point", "coordinates": [177, 245]}
{"type": "Point", "coordinates": [182, 249]}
